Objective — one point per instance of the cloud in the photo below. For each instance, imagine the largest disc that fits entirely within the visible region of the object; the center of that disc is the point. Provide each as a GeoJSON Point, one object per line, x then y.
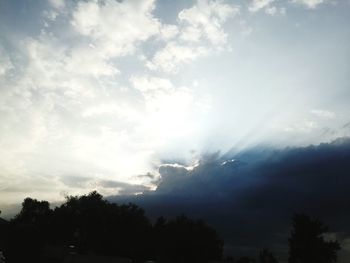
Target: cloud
{"type": "Point", "coordinates": [50, 15]}
{"type": "Point", "coordinates": [55, 118]}
{"type": "Point", "coordinates": [168, 32]}
{"type": "Point", "coordinates": [323, 113]}
{"type": "Point", "coordinates": [267, 6]}
{"type": "Point", "coordinates": [125, 188]}
{"type": "Point", "coordinates": [206, 19]}
{"type": "Point", "coordinates": [116, 27]}
{"type": "Point", "coordinates": [103, 186]}
{"type": "Point", "coordinates": [173, 55]}
{"type": "Point", "coordinates": [256, 5]}
{"type": "Point", "coordinates": [271, 10]}
{"type": "Point", "coordinates": [58, 4]}
{"type": "Point", "coordinates": [65, 108]}
{"type": "Point", "coordinates": [146, 84]}
{"type": "Point", "coordinates": [200, 31]}
{"type": "Point", "coordinates": [251, 197]}
{"type": "Point", "coordinates": [5, 63]}
{"type": "Point", "coordinates": [311, 4]}
{"type": "Point", "coordinates": [275, 11]}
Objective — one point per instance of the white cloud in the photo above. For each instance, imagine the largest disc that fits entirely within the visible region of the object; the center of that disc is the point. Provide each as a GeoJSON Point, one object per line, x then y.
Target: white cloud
{"type": "Point", "coordinates": [266, 5]}
{"type": "Point", "coordinates": [56, 67]}
{"type": "Point", "coordinates": [173, 55]}
{"type": "Point", "coordinates": [116, 27]}
{"type": "Point", "coordinates": [65, 111]}
{"type": "Point", "coordinates": [49, 122]}
{"type": "Point", "coordinates": [151, 84]}
{"type": "Point", "coordinates": [191, 34]}
{"type": "Point", "coordinates": [168, 32]}
{"type": "Point", "coordinates": [5, 62]}
{"type": "Point", "coordinates": [89, 61]}
{"type": "Point", "coordinates": [200, 31]}
{"type": "Point", "coordinates": [58, 4]}
{"type": "Point", "coordinates": [206, 18]}
{"type": "Point", "coordinates": [256, 5]}
{"type": "Point", "coordinates": [304, 126]}
{"type": "Point", "coordinates": [271, 10]}
{"type": "Point", "coordinates": [50, 15]}
{"type": "Point", "coordinates": [312, 4]}
{"type": "Point", "coordinates": [323, 113]}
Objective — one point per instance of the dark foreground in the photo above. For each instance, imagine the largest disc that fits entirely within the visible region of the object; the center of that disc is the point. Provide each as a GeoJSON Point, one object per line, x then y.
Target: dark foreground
{"type": "Point", "coordinates": [90, 229]}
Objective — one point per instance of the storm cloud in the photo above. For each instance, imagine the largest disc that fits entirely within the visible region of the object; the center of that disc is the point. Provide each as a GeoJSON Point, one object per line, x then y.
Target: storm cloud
{"type": "Point", "coordinates": [250, 196]}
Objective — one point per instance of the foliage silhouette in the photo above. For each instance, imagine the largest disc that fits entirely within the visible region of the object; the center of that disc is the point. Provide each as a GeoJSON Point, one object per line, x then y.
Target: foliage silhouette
{"type": "Point", "coordinates": [3, 232]}
{"type": "Point", "coordinates": [186, 240]}
{"type": "Point", "coordinates": [245, 260]}
{"type": "Point", "coordinates": [28, 232]}
{"type": "Point", "coordinates": [89, 224]}
{"type": "Point", "coordinates": [266, 256]}
{"type": "Point", "coordinates": [307, 243]}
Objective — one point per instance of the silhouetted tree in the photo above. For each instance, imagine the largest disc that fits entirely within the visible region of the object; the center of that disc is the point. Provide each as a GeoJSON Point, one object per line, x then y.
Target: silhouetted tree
{"type": "Point", "coordinates": [28, 232]}
{"type": "Point", "coordinates": [92, 224]}
{"type": "Point", "coordinates": [2, 257]}
{"type": "Point", "coordinates": [245, 260]}
{"type": "Point", "coordinates": [33, 212]}
{"type": "Point", "coordinates": [267, 256]}
{"type": "Point", "coordinates": [307, 243]}
{"type": "Point", "coordinates": [186, 240]}
{"type": "Point", "coordinates": [3, 232]}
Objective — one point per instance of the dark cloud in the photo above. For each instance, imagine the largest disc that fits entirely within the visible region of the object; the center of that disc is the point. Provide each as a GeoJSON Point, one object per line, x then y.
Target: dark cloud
{"type": "Point", "coordinates": [250, 196]}
{"type": "Point", "coordinates": [147, 175]}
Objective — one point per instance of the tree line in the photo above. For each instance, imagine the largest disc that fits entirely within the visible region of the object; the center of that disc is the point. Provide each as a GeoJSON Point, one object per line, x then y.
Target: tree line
{"type": "Point", "coordinates": [89, 224]}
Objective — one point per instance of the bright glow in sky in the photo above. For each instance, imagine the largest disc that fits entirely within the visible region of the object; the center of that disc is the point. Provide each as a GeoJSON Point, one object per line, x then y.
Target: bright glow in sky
{"type": "Point", "coordinates": [97, 94]}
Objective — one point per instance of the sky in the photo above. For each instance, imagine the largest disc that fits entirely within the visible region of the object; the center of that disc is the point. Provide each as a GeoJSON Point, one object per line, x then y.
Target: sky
{"type": "Point", "coordinates": [234, 111]}
{"type": "Point", "coordinates": [103, 94]}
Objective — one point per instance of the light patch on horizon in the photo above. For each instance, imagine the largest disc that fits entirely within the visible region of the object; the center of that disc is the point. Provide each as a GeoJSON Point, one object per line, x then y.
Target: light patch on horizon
{"type": "Point", "coordinates": [106, 90]}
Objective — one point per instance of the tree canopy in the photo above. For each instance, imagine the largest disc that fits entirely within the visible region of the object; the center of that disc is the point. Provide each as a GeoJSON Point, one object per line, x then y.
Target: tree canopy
{"type": "Point", "coordinates": [307, 243]}
{"type": "Point", "coordinates": [90, 224]}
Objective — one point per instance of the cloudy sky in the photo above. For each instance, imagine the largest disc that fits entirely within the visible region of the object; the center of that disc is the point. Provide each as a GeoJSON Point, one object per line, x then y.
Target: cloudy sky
{"type": "Point", "coordinates": [100, 94]}
{"type": "Point", "coordinates": [231, 111]}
